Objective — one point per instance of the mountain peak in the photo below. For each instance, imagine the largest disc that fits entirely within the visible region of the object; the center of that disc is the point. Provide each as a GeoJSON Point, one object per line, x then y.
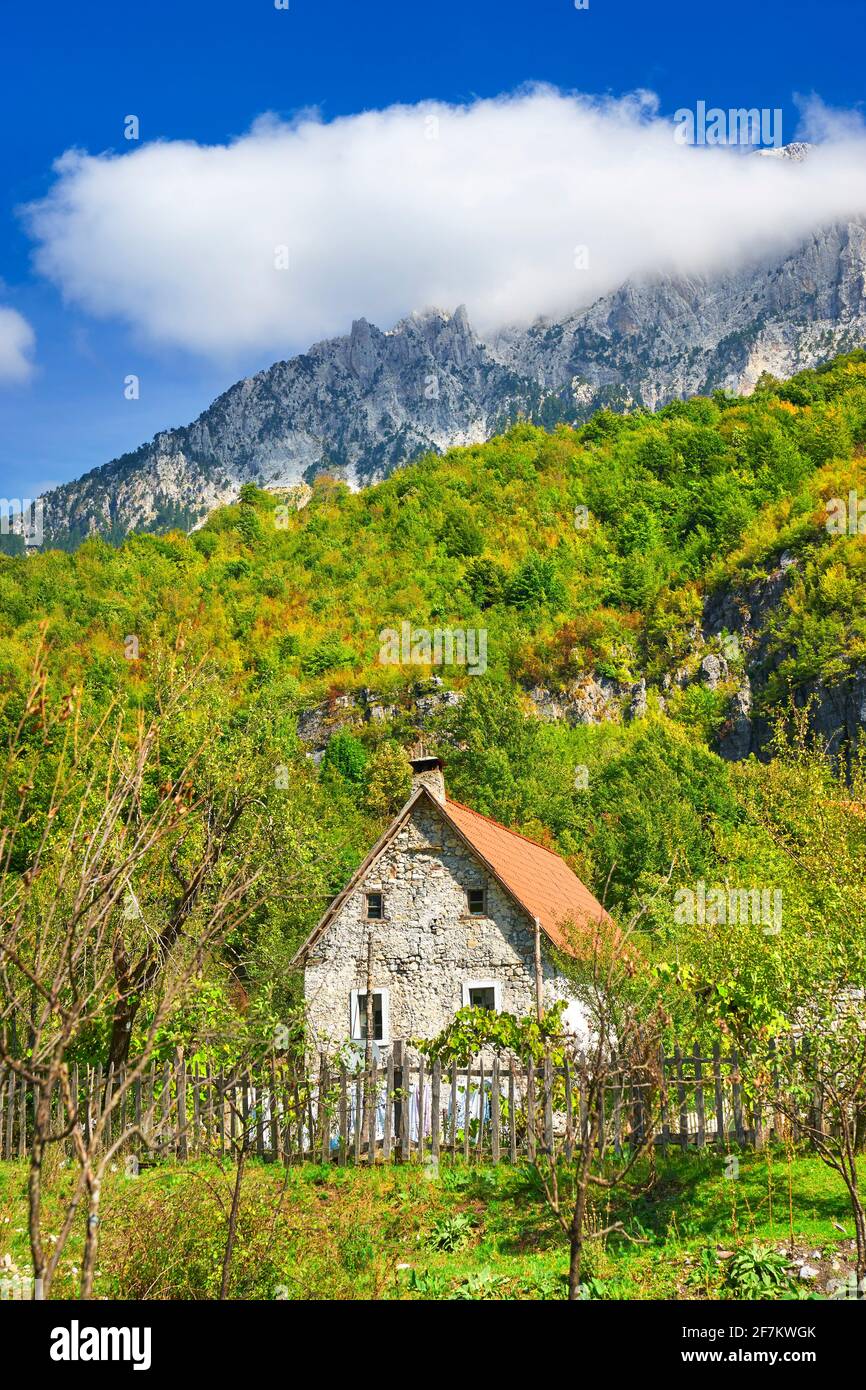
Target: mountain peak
{"type": "Point", "coordinates": [797, 151]}
{"type": "Point", "coordinates": [360, 405]}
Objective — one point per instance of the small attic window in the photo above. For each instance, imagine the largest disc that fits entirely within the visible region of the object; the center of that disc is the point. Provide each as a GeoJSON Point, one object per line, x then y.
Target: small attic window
{"type": "Point", "coordinates": [375, 903]}
{"type": "Point", "coordinates": [477, 899]}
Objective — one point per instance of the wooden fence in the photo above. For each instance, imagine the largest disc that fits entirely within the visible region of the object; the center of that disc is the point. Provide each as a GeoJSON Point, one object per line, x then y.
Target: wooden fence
{"type": "Point", "coordinates": [405, 1109]}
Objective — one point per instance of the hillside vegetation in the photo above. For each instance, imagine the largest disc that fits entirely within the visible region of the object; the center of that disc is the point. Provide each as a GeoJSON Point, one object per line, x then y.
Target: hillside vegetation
{"type": "Point", "coordinates": [587, 557]}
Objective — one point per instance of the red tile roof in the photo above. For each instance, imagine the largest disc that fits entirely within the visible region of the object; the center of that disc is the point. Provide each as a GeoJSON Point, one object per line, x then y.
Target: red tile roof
{"type": "Point", "coordinates": [540, 881]}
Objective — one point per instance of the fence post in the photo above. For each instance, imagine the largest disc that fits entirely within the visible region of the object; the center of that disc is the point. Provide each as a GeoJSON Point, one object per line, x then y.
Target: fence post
{"type": "Point", "coordinates": [774, 1083]}
{"type": "Point", "coordinates": [617, 1104]}
{"type": "Point", "coordinates": [435, 1116]}
{"type": "Point", "coordinates": [246, 1088]}
{"type": "Point", "coordinates": [299, 1114]}
{"type": "Point", "coordinates": [10, 1113]}
{"type": "Point", "coordinates": [388, 1131]}
{"type": "Point", "coordinates": [699, 1097]}
{"type": "Point", "coordinates": [401, 1100]}
{"type": "Point", "coordinates": [666, 1129]}
{"type": "Point", "coordinates": [421, 1082]}
{"type": "Point", "coordinates": [738, 1098]}
{"type": "Point", "coordinates": [276, 1137]}
{"type": "Point", "coordinates": [721, 1136]}
{"type": "Point", "coordinates": [405, 1089]}
{"type": "Point", "coordinates": [569, 1114]}
{"type": "Point", "coordinates": [681, 1098]}
{"type": "Point", "coordinates": [359, 1115]}
{"type": "Point", "coordinates": [344, 1117]}
{"type": "Point", "coordinates": [22, 1117]}
{"type": "Point", "coordinates": [548, 1105]}
{"type": "Point", "coordinates": [453, 1110]}
{"type": "Point", "coordinates": [166, 1106]}
{"type": "Point", "coordinates": [150, 1118]}
{"type": "Point", "coordinates": [530, 1110]}
{"type": "Point", "coordinates": [495, 1152]}
{"type": "Point", "coordinates": [180, 1073]}
{"type": "Point", "coordinates": [324, 1116]}
{"type": "Point", "coordinates": [136, 1101]}
{"type": "Point", "coordinates": [372, 1109]}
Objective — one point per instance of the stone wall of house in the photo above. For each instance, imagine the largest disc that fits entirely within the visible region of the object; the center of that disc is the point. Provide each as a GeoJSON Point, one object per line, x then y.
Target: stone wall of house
{"type": "Point", "coordinates": [428, 945]}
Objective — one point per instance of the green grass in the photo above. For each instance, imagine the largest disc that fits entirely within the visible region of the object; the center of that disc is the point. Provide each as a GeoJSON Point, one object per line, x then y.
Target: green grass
{"type": "Point", "coordinates": [406, 1232]}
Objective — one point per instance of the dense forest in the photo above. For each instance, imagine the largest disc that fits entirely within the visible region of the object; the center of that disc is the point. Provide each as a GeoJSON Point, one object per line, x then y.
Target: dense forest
{"type": "Point", "coordinates": [589, 558]}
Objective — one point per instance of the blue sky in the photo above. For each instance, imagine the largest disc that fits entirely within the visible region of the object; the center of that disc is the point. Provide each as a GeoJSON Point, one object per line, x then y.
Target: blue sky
{"type": "Point", "coordinates": [204, 72]}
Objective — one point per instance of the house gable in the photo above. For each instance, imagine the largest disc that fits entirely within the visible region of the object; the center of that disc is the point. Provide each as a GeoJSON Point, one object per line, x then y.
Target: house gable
{"type": "Point", "coordinates": [422, 809]}
{"type": "Point", "coordinates": [428, 947]}
{"type": "Point", "coordinates": [538, 880]}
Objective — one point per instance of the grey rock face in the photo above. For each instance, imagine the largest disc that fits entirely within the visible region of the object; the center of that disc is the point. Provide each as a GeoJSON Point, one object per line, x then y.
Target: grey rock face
{"type": "Point", "coordinates": [677, 336]}
{"type": "Point", "coordinates": [354, 407]}
{"type": "Point", "coordinates": [360, 405]}
{"type": "Point", "coordinates": [318, 723]}
{"type": "Point", "coordinates": [589, 700]}
{"type": "Point", "coordinates": [548, 707]}
{"type": "Point", "coordinates": [713, 670]}
{"type": "Point", "coordinates": [837, 714]}
{"type": "Point", "coordinates": [593, 701]}
{"type": "Point", "coordinates": [638, 704]}
{"type": "Point", "coordinates": [735, 741]}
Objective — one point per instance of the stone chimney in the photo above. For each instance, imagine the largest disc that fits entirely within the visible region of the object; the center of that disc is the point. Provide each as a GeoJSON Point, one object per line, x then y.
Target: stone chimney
{"type": "Point", "coordinates": [427, 771]}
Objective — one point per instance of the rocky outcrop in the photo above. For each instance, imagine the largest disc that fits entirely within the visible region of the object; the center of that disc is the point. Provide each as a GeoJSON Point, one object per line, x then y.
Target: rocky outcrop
{"type": "Point", "coordinates": [713, 670]}
{"type": "Point", "coordinates": [590, 700]}
{"type": "Point", "coordinates": [637, 705]}
{"type": "Point", "coordinates": [318, 723]}
{"type": "Point", "coordinates": [735, 739]}
{"type": "Point", "coordinates": [836, 714]}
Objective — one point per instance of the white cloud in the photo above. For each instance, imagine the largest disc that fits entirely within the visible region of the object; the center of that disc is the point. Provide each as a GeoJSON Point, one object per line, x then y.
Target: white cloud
{"type": "Point", "coordinates": [17, 341]}
{"type": "Point", "coordinates": [819, 122]}
{"type": "Point", "coordinates": [388, 211]}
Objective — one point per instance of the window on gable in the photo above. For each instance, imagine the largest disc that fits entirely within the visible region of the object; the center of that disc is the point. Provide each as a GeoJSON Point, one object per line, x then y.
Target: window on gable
{"type": "Point", "coordinates": [477, 898]}
{"type": "Point", "coordinates": [375, 906]}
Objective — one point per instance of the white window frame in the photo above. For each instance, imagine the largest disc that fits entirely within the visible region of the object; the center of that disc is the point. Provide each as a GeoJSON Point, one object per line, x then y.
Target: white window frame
{"type": "Point", "coordinates": [355, 1015]}
{"type": "Point", "coordinates": [483, 984]}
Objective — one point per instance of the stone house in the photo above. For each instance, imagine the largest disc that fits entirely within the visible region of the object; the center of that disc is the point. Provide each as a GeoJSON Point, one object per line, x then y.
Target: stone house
{"type": "Point", "coordinates": [448, 909]}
